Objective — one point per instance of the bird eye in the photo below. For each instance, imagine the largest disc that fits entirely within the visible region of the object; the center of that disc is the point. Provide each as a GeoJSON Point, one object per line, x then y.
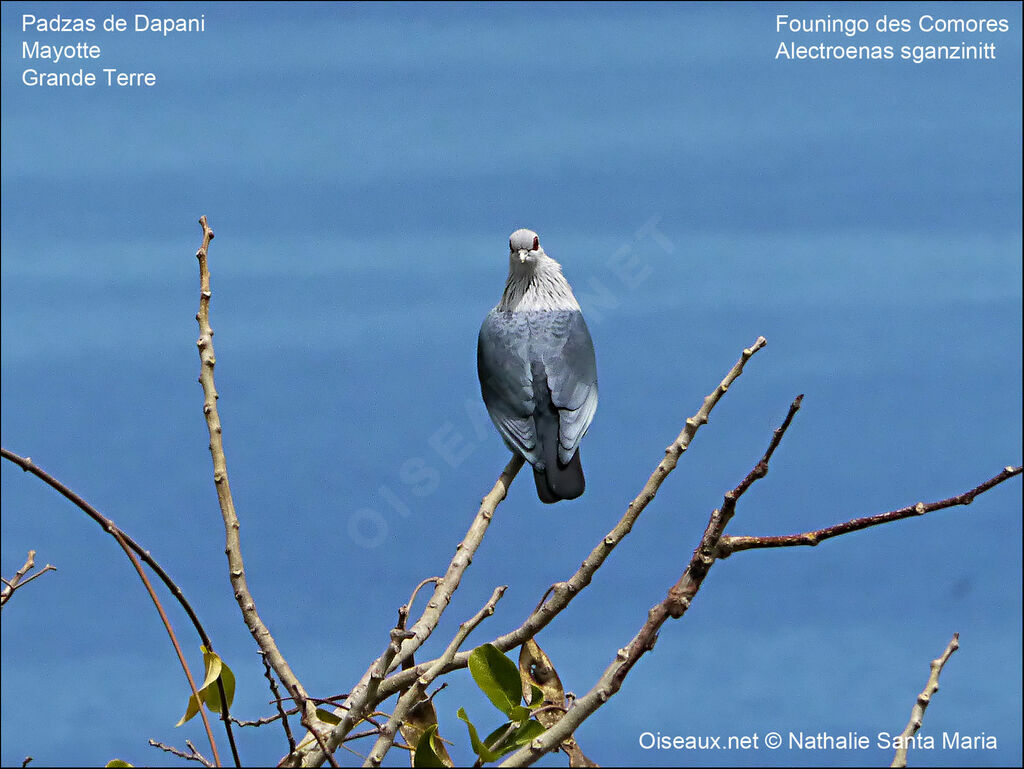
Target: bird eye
{"type": "Point", "coordinates": [536, 242]}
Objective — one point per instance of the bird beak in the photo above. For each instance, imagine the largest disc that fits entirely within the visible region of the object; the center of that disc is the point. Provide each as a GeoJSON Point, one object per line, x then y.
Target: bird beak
{"type": "Point", "coordinates": [522, 255]}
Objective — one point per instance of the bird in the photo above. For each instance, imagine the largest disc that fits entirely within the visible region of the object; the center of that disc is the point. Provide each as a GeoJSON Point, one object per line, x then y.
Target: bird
{"type": "Point", "coordinates": [537, 369]}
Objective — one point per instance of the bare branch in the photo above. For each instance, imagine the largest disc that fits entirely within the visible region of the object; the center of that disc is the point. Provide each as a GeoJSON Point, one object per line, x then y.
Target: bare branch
{"type": "Point", "coordinates": [30, 563]}
{"type": "Point", "coordinates": [403, 612]}
{"type": "Point", "coordinates": [277, 701]}
{"type": "Point", "coordinates": [192, 755]}
{"type": "Point", "coordinates": [464, 551]}
{"type": "Point", "coordinates": [19, 581]}
{"type": "Point", "coordinates": [359, 701]}
{"type": "Point", "coordinates": [563, 592]}
{"type": "Point", "coordinates": [417, 692]}
{"type": "Point", "coordinates": [729, 545]}
{"type": "Point", "coordinates": [262, 721]}
{"type": "Point", "coordinates": [41, 572]}
{"type": "Point", "coordinates": [682, 593]}
{"type": "Point", "coordinates": [366, 694]}
{"type": "Point", "coordinates": [233, 546]}
{"type": "Point", "coordinates": [674, 605]}
{"type": "Point", "coordinates": [925, 697]}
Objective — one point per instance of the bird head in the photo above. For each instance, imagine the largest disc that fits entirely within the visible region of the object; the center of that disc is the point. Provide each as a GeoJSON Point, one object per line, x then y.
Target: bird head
{"type": "Point", "coordinates": [524, 245]}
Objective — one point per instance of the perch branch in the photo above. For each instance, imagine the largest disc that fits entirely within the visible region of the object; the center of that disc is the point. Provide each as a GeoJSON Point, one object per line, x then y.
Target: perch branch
{"type": "Point", "coordinates": [366, 694]}
{"type": "Point", "coordinates": [464, 551]}
{"type": "Point", "coordinates": [563, 593]}
{"type": "Point", "coordinates": [729, 545]}
{"type": "Point", "coordinates": [917, 713]}
{"type": "Point", "coordinates": [359, 702]}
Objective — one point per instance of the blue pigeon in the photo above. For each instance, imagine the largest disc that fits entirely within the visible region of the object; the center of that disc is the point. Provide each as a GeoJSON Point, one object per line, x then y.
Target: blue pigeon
{"type": "Point", "coordinates": [537, 370]}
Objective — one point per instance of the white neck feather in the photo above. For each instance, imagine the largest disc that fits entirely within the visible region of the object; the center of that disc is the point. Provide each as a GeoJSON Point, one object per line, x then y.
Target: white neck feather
{"type": "Point", "coordinates": [536, 286]}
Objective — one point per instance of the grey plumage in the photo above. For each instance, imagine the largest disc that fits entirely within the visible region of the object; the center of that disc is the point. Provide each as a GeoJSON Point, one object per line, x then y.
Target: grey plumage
{"type": "Point", "coordinates": [538, 375]}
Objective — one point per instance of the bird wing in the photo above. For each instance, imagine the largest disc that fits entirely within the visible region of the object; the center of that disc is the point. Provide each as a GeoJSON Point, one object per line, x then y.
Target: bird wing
{"type": "Point", "coordinates": [561, 341]}
{"type": "Point", "coordinates": [506, 383]}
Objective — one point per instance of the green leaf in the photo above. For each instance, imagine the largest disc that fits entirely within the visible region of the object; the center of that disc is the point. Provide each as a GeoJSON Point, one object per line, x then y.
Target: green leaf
{"type": "Point", "coordinates": [523, 734]}
{"type": "Point", "coordinates": [426, 752]}
{"type": "Point", "coordinates": [536, 697]}
{"type": "Point", "coordinates": [210, 691]}
{"type": "Point", "coordinates": [491, 740]}
{"type": "Point", "coordinates": [485, 753]}
{"type": "Point", "coordinates": [212, 664]}
{"type": "Point", "coordinates": [519, 714]}
{"type": "Point", "coordinates": [117, 763]}
{"type": "Point", "coordinates": [528, 732]}
{"type": "Point", "coordinates": [327, 717]}
{"type": "Point", "coordinates": [190, 710]}
{"type": "Point", "coordinates": [498, 678]}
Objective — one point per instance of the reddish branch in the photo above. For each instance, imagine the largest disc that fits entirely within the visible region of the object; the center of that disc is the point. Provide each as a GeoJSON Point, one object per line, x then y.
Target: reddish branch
{"type": "Point", "coordinates": [26, 464]}
{"type": "Point", "coordinates": [729, 545]}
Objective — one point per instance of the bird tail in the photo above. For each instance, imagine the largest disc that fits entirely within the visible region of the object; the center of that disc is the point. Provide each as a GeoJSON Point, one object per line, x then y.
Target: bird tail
{"type": "Point", "coordinates": [557, 481]}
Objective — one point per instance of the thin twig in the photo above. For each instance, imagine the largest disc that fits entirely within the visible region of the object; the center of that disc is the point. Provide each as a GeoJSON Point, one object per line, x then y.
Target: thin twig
{"type": "Point", "coordinates": [277, 701]}
{"type": "Point", "coordinates": [403, 617]}
{"type": "Point", "coordinates": [12, 583]}
{"type": "Point", "coordinates": [404, 610]}
{"type": "Point", "coordinates": [925, 697]}
{"type": "Point", "coordinates": [417, 692]}
{"type": "Point", "coordinates": [308, 723]}
{"type": "Point", "coordinates": [262, 721]}
{"type": "Point", "coordinates": [28, 466]}
{"type": "Point", "coordinates": [564, 592]}
{"type": "Point", "coordinates": [19, 581]}
{"type": "Point", "coordinates": [194, 755]}
{"type": "Point", "coordinates": [41, 572]}
{"type": "Point", "coordinates": [729, 545]}
{"type": "Point", "coordinates": [318, 700]}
